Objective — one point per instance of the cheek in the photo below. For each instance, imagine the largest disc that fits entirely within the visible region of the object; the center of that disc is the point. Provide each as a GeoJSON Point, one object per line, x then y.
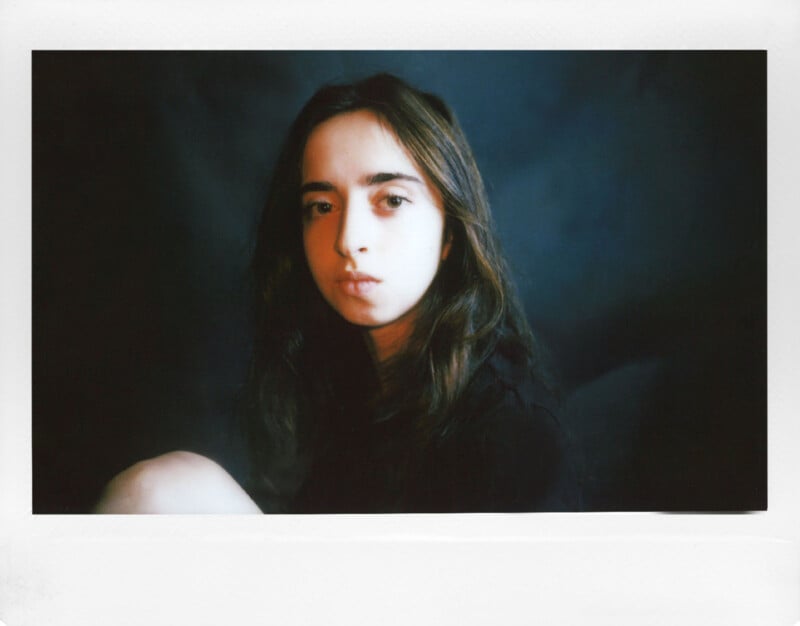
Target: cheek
{"type": "Point", "coordinates": [308, 250]}
{"type": "Point", "coordinates": [314, 245]}
{"type": "Point", "coordinates": [428, 240]}
{"type": "Point", "coordinates": [418, 250]}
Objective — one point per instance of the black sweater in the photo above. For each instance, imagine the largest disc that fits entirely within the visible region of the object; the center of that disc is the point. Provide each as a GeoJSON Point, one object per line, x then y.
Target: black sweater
{"type": "Point", "coordinates": [506, 452]}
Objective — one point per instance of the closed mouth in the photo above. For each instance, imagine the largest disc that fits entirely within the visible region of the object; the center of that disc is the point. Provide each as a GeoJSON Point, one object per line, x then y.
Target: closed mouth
{"type": "Point", "coordinates": [356, 277]}
{"type": "Point", "coordinates": [356, 283]}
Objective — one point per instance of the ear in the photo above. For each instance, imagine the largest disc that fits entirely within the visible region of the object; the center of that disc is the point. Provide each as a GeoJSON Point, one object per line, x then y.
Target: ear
{"type": "Point", "coordinates": [448, 243]}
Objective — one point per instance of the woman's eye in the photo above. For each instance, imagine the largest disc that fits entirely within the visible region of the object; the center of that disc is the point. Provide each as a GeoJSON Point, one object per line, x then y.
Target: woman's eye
{"type": "Point", "coordinates": [318, 208]}
{"type": "Point", "coordinates": [394, 202]}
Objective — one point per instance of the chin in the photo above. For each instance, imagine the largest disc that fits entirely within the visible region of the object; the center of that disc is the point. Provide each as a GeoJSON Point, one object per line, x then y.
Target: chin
{"type": "Point", "coordinates": [359, 318]}
{"type": "Point", "coordinates": [368, 320]}
{"type": "Point", "coordinates": [369, 323]}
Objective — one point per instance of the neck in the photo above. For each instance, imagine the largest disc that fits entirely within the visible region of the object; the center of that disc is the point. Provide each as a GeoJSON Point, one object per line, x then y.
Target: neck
{"type": "Point", "coordinates": [384, 342]}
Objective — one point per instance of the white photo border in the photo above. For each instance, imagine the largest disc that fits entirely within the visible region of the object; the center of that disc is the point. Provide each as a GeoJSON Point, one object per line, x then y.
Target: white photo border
{"type": "Point", "coordinates": [556, 568]}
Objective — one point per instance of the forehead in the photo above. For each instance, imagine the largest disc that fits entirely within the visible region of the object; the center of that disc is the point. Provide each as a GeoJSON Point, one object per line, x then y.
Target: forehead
{"type": "Point", "coordinates": [357, 140]}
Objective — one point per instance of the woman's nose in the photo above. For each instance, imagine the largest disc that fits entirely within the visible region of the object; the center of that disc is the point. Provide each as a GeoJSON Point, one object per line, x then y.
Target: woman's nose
{"type": "Point", "coordinates": [356, 229]}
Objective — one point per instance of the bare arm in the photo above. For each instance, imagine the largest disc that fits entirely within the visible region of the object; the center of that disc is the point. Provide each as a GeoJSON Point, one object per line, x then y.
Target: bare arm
{"type": "Point", "coordinates": [176, 482]}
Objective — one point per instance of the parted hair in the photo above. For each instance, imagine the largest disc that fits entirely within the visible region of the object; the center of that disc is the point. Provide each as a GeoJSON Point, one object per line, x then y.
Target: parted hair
{"type": "Point", "coordinates": [297, 377]}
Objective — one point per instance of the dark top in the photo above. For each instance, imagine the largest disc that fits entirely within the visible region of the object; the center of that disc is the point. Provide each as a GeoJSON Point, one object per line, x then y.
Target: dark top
{"type": "Point", "coordinates": [507, 452]}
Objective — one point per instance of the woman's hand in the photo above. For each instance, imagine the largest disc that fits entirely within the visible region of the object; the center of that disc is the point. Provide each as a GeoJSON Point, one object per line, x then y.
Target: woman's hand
{"type": "Point", "coordinates": [176, 482]}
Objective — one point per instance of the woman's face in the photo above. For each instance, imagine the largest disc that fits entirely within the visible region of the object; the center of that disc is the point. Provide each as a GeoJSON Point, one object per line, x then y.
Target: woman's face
{"type": "Point", "coordinates": [373, 225]}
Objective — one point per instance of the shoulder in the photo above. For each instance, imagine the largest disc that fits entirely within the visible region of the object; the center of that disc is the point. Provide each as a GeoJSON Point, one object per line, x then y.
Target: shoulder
{"type": "Point", "coordinates": [176, 482]}
{"type": "Point", "coordinates": [505, 386]}
{"type": "Point", "coordinates": [511, 427]}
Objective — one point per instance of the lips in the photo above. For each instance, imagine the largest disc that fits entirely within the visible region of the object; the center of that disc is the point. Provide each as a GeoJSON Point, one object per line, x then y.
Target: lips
{"type": "Point", "coordinates": [356, 283]}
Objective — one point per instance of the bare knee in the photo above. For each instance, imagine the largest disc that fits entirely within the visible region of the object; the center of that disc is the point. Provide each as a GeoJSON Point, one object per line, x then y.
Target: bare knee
{"type": "Point", "coordinates": [176, 482]}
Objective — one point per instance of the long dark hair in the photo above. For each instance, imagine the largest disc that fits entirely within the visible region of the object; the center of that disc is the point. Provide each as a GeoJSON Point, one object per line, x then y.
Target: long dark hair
{"type": "Point", "coordinates": [469, 311]}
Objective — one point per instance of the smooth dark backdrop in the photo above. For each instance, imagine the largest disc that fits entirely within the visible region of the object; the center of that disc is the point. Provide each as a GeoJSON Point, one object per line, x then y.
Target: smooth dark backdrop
{"type": "Point", "coordinates": [629, 190]}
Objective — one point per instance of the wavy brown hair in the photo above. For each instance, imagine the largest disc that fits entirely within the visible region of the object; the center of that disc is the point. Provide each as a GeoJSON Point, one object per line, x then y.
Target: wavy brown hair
{"type": "Point", "coordinates": [469, 311]}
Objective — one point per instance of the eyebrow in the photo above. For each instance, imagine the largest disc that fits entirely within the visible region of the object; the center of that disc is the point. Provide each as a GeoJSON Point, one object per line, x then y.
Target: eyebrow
{"type": "Point", "coordinates": [385, 177]}
{"type": "Point", "coordinates": [372, 179]}
{"type": "Point", "coordinates": [316, 186]}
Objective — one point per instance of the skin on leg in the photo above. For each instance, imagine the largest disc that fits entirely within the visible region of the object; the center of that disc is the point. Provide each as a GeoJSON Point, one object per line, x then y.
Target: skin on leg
{"type": "Point", "coordinates": [175, 483]}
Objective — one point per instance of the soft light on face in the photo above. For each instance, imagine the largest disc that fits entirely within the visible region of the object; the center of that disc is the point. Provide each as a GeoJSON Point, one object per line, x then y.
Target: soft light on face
{"type": "Point", "coordinates": [373, 225]}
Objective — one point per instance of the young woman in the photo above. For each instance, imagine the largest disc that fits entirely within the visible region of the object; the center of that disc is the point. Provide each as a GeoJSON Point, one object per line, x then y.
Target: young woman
{"type": "Point", "coordinates": [393, 369]}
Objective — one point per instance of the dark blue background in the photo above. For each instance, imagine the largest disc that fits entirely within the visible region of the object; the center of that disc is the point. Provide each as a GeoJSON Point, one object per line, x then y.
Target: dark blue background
{"type": "Point", "coordinates": [629, 190]}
